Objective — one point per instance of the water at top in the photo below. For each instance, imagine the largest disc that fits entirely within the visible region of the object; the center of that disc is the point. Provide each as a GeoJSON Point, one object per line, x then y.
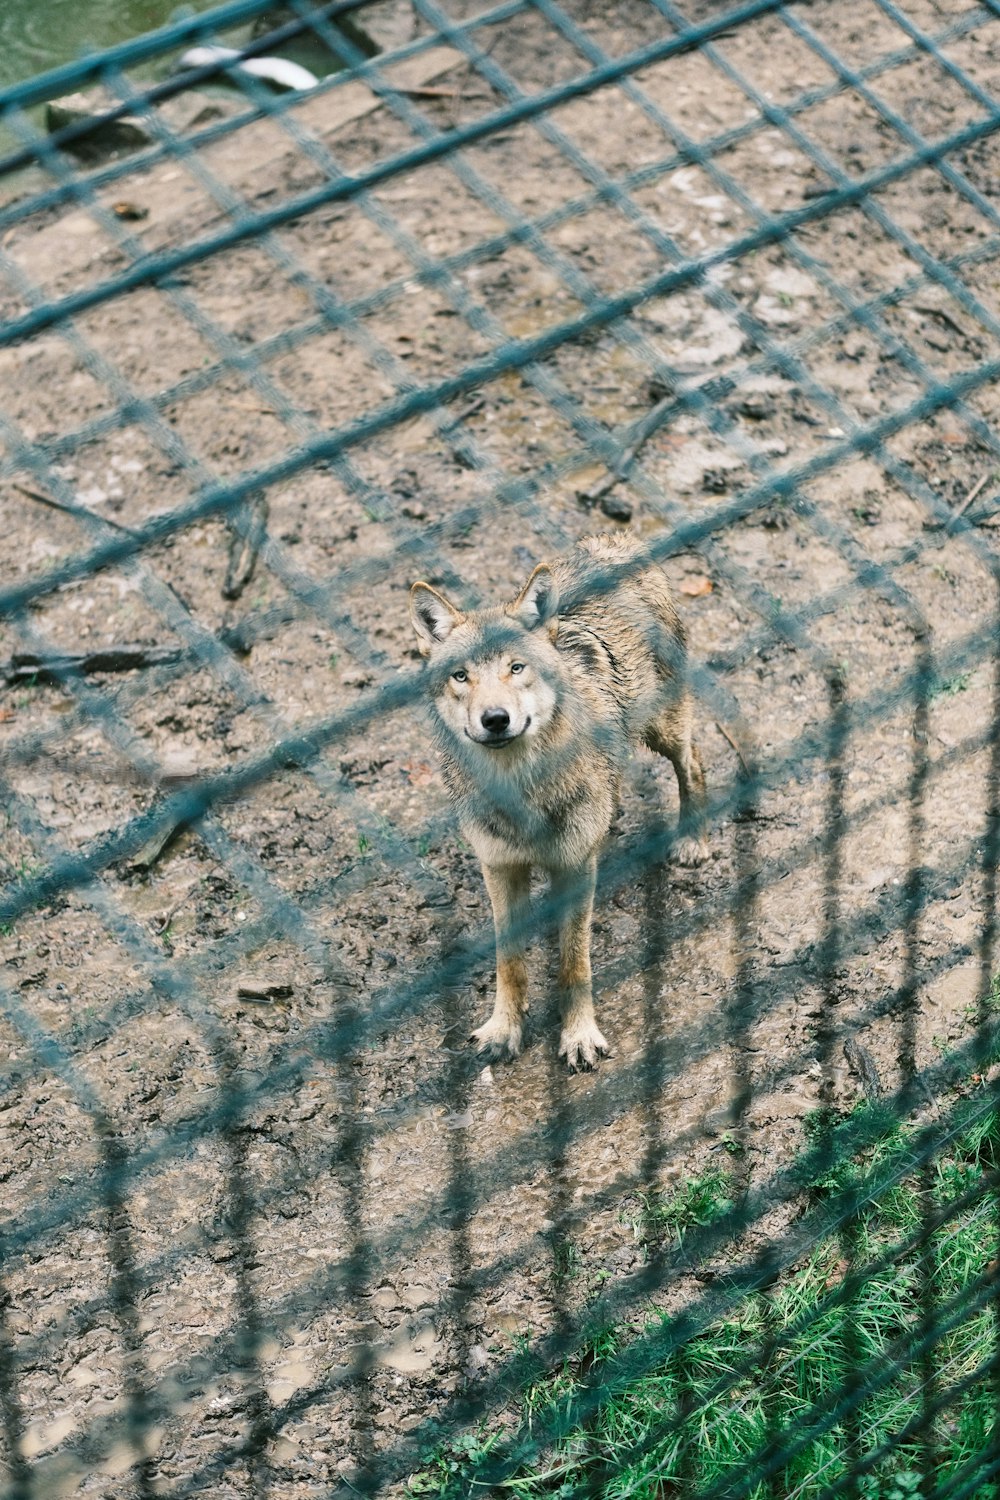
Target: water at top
{"type": "Point", "coordinates": [36, 35]}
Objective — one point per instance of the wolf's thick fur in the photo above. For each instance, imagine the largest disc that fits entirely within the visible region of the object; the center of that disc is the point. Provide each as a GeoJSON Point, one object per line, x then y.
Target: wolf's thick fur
{"type": "Point", "coordinates": [538, 704]}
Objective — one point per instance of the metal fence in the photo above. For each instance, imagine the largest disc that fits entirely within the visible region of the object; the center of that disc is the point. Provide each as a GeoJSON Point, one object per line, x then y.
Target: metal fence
{"type": "Point", "coordinates": [509, 274]}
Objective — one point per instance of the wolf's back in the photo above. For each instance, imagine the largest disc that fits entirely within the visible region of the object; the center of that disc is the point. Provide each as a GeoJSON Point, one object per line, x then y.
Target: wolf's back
{"type": "Point", "coordinates": [620, 626]}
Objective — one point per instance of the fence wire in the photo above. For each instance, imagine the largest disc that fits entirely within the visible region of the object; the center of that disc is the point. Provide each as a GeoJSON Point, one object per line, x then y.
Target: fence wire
{"type": "Point", "coordinates": [723, 278]}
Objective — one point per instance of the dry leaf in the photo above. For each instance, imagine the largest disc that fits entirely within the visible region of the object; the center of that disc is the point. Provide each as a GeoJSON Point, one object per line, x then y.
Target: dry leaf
{"type": "Point", "coordinates": [419, 772]}
{"type": "Point", "coordinates": [838, 1271]}
{"type": "Point", "coordinates": [696, 586]}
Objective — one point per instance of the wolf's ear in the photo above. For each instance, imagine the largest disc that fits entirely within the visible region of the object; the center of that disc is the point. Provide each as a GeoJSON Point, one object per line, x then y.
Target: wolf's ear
{"type": "Point", "coordinates": [538, 601]}
{"type": "Point", "coordinates": [433, 617]}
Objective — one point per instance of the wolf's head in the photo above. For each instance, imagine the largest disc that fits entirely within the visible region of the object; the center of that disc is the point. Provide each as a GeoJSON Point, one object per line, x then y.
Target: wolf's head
{"type": "Point", "coordinates": [496, 672]}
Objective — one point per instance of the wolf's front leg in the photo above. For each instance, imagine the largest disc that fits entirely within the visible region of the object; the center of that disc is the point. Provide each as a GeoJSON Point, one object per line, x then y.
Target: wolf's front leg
{"type": "Point", "coordinates": [581, 1043]}
{"type": "Point", "coordinates": [510, 888]}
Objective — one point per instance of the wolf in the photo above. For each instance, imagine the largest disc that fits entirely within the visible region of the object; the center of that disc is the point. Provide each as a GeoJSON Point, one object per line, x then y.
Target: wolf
{"type": "Point", "coordinates": [537, 706]}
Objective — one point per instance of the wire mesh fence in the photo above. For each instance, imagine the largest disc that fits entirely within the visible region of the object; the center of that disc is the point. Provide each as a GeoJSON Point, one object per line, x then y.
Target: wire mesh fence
{"type": "Point", "coordinates": [493, 279]}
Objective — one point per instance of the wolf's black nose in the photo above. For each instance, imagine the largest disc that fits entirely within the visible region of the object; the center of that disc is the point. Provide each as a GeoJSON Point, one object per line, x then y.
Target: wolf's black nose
{"type": "Point", "coordinates": [496, 720]}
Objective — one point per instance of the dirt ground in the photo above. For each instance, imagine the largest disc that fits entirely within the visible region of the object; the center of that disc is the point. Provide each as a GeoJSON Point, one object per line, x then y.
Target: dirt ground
{"type": "Point", "coordinates": [265, 1214]}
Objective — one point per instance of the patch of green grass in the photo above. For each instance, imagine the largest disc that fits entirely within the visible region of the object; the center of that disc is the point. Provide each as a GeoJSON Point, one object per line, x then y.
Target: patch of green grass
{"type": "Point", "coordinates": [645, 1414]}
{"type": "Point", "coordinates": [450, 1462]}
{"type": "Point", "coordinates": [566, 1262]}
{"type": "Point", "coordinates": [951, 685]}
{"type": "Point", "coordinates": [697, 1204]}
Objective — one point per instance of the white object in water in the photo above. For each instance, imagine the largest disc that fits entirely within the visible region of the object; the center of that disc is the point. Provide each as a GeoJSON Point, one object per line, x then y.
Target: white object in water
{"type": "Point", "coordinates": [275, 70]}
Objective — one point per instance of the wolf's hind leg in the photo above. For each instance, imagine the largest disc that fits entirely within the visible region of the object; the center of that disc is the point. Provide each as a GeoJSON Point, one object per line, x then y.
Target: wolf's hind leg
{"type": "Point", "coordinates": [581, 1043]}
{"type": "Point", "coordinates": [509, 887]}
{"type": "Point", "coordinates": [669, 734]}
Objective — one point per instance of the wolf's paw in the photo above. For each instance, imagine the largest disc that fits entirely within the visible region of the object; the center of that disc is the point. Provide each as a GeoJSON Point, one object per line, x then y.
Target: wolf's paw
{"type": "Point", "coordinates": [497, 1039]}
{"type": "Point", "coordinates": [688, 851]}
{"type": "Point", "coordinates": [581, 1045]}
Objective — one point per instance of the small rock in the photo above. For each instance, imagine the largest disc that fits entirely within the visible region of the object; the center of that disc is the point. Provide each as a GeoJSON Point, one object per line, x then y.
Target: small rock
{"type": "Point", "coordinates": [190, 110]}
{"type": "Point", "coordinates": [623, 1259]}
{"type": "Point", "coordinates": [715, 481]}
{"type": "Point", "coordinates": [616, 506]}
{"type": "Point", "coordinates": [756, 406]}
{"type": "Point", "coordinates": [356, 677]}
{"type": "Point", "coordinates": [485, 1079]}
{"type": "Point", "coordinates": [102, 138]}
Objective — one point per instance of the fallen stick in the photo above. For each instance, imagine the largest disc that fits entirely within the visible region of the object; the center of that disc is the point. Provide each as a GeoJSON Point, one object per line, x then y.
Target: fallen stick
{"type": "Point", "coordinates": [939, 312]}
{"type": "Point", "coordinates": [247, 527]}
{"type": "Point", "coordinates": [260, 625]}
{"type": "Point", "coordinates": [961, 509]}
{"type": "Point", "coordinates": [733, 745]}
{"type": "Point", "coordinates": [145, 858]}
{"type": "Point", "coordinates": [78, 512]}
{"type": "Point", "coordinates": [862, 1065]}
{"type": "Point", "coordinates": [641, 431]}
{"type": "Point", "coordinates": [973, 518]}
{"type": "Point", "coordinates": [428, 91]}
{"type": "Point", "coordinates": [29, 666]}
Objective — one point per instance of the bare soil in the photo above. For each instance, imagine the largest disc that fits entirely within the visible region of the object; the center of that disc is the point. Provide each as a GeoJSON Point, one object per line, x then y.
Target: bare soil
{"type": "Point", "coordinates": [266, 1214]}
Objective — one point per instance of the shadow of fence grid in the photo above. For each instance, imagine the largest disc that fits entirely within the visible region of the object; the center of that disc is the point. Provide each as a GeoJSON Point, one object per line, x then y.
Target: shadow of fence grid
{"type": "Point", "coordinates": [211, 1419]}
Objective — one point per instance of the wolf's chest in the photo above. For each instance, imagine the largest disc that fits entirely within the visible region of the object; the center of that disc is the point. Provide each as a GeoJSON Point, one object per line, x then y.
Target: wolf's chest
{"type": "Point", "coordinates": [549, 824]}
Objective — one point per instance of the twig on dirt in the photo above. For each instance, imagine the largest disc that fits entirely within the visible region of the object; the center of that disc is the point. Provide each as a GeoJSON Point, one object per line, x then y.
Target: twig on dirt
{"type": "Point", "coordinates": [641, 432]}
{"type": "Point", "coordinates": [475, 405]}
{"type": "Point", "coordinates": [94, 768]}
{"type": "Point", "coordinates": [428, 91]}
{"type": "Point", "coordinates": [247, 532]}
{"type": "Point", "coordinates": [263, 411]}
{"type": "Point", "coordinates": [468, 74]}
{"type": "Point", "coordinates": [160, 924]}
{"type": "Point", "coordinates": [622, 465]}
{"type": "Point", "coordinates": [79, 512]}
{"type": "Point", "coordinates": [971, 495]}
{"type": "Point", "coordinates": [260, 625]}
{"type": "Point", "coordinates": [733, 745]}
{"type": "Point", "coordinates": [862, 1065]}
{"type": "Point", "coordinates": [976, 518]}
{"type": "Point", "coordinates": [939, 312]}
{"type": "Point", "coordinates": [146, 857]}
{"type": "Point", "coordinates": [263, 991]}
{"type": "Point", "coordinates": [29, 666]}
{"type": "Point", "coordinates": [458, 454]}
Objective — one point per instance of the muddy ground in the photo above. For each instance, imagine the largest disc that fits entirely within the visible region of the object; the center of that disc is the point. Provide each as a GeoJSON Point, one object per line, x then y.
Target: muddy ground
{"type": "Point", "coordinates": [259, 1196]}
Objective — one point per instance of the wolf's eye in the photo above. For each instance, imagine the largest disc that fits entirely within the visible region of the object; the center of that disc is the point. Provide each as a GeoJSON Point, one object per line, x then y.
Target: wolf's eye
{"type": "Point", "coordinates": [460, 676]}
{"type": "Point", "coordinates": [517, 666]}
